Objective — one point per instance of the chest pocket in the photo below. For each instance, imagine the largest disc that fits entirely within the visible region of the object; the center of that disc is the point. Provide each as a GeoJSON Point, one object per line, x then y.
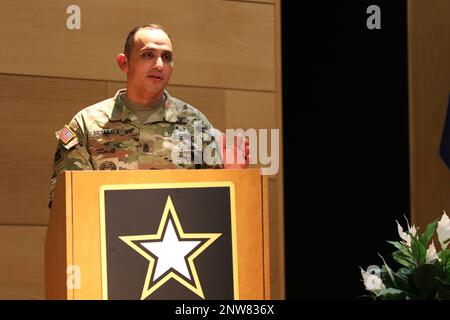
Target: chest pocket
{"type": "Point", "coordinates": [114, 145]}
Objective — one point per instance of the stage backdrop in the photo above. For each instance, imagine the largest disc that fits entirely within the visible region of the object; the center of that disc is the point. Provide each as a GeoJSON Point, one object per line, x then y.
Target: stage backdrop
{"type": "Point", "coordinates": [429, 88]}
{"type": "Point", "coordinates": [227, 63]}
{"type": "Point", "coordinates": [366, 107]}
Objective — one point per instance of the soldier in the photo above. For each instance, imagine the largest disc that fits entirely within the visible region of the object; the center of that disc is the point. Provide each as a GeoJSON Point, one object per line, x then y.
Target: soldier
{"type": "Point", "coordinates": [142, 126]}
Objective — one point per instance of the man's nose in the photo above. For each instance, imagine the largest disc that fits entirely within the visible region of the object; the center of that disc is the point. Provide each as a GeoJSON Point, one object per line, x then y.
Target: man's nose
{"type": "Point", "coordinates": [159, 63]}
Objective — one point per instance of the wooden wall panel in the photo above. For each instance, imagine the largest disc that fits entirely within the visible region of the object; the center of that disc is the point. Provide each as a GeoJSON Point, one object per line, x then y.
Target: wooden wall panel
{"type": "Point", "coordinates": [112, 87]}
{"type": "Point", "coordinates": [217, 43]}
{"type": "Point", "coordinates": [276, 242]}
{"type": "Point", "coordinates": [278, 271]}
{"type": "Point", "coordinates": [50, 73]}
{"type": "Point", "coordinates": [22, 262]}
{"type": "Point", "coordinates": [33, 109]}
{"type": "Point", "coordinates": [429, 73]}
{"type": "Point", "coordinates": [245, 32]}
{"type": "Point", "coordinates": [249, 109]}
{"type": "Point", "coordinates": [256, 1]}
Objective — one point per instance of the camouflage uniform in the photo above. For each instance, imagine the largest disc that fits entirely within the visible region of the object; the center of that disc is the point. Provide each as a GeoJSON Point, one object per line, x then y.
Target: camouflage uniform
{"type": "Point", "coordinates": [108, 136]}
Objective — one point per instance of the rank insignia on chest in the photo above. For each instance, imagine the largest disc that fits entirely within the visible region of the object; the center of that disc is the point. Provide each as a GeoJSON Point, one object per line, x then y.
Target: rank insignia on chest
{"type": "Point", "coordinates": [67, 137]}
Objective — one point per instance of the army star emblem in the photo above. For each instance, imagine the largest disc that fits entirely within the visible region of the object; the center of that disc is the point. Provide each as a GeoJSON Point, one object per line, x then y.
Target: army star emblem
{"type": "Point", "coordinates": [171, 253]}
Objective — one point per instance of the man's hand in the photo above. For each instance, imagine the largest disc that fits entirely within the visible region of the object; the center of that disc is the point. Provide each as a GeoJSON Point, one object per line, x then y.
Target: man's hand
{"type": "Point", "coordinates": [236, 156]}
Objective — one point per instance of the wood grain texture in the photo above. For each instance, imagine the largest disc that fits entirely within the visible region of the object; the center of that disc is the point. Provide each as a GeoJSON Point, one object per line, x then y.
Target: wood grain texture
{"type": "Point", "coordinates": [256, 1]}
{"type": "Point", "coordinates": [22, 262]}
{"type": "Point", "coordinates": [277, 213]}
{"type": "Point", "coordinates": [429, 77]}
{"type": "Point", "coordinates": [33, 109]}
{"type": "Point", "coordinates": [266, 237]}
{"type": "Point", "coordinates": [276, 241]}
{"type": "Point", "coordinates": [58, 242]}
{"type": "Point", "coordinates": [216, 43]}
{"type": "Point", "coordinates": [250, 109]}
{"type": "Point", "coordinates": [249, 222]}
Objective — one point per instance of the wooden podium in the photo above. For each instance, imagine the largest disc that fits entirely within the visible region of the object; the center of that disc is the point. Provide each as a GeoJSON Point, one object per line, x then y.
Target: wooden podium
{"type": "Point", "coordinates": [106, 229]}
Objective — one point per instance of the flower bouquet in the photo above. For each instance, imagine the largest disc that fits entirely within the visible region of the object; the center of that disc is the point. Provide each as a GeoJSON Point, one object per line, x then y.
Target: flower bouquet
{"type": "Point", "coordinates": [424, 272]}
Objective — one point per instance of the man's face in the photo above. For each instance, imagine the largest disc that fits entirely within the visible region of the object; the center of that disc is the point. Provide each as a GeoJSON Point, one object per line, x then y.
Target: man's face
{"type": "Point", "coordinates": [150, 62]}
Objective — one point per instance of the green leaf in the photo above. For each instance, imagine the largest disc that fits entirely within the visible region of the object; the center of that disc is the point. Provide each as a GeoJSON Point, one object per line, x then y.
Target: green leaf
{"type": "Point", "coordinates": [402, 279]}
{"type": "Point", "coordinates": [444, 288]}
{"type": "Point", "coordinates": [428, 233]}
{"type": "Point", "coordinates": [387, 270]}
{"type": "Point", "coordinates": [367, 296]}
{"type": "Point", "coordinates": [396, 244]}
{"type": "Point", "coordinates": [419, 251]}
{"type": "Point", "coordinates": [403, 248]}
{"type": "Point", "coordinates": [404, 273]}
{"type": "Point", "coordinates": [445, 282]}
{"type": "Point", "coordinates": [386, 277]}
{"type": "Point", "coordinates": [400, 258]}
{"type": "Point", "coordinates": [444, 255]}
{"type": "Point", "coordinates": [391, 294]}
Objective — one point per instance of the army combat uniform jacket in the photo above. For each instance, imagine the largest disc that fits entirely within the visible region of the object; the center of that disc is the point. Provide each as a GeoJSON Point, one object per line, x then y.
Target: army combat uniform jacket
{"type": "Point", "coordinates": [108, 136]}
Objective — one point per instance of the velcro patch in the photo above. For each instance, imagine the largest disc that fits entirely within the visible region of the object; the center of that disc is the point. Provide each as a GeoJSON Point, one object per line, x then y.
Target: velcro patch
{"type": "Point", "coordinates": [65, 134]}
{"type": "Point", "coordinates": [67, 137]}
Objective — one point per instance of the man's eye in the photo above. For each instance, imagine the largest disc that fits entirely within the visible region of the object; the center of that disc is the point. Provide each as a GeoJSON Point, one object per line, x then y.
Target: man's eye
{"type": "Point", "coordinates": [167, 58]}
{"type": "Point", "coordinates": [147, 55]}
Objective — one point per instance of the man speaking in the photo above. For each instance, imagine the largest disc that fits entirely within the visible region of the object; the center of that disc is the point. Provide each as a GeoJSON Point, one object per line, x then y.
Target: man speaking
{"type": "Point", "coordinates": [142, 126]}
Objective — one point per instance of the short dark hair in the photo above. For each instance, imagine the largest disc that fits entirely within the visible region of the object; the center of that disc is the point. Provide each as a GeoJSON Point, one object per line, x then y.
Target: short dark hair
{"type": "Point", "coordinates": [129, 42]}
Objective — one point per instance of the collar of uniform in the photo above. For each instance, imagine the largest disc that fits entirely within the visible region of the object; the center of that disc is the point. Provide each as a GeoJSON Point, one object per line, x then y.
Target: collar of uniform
{"type": "Point", "coordinates": [118, 108]}
{"type": "Point", "coordinates": [166, 113]}
{"type": "Point", "coordinates": [120, 111]}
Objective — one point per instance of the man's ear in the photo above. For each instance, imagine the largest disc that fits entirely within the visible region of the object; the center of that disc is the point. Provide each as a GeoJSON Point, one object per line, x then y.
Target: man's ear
{"type": "Point", "coordinates": [122, 61]}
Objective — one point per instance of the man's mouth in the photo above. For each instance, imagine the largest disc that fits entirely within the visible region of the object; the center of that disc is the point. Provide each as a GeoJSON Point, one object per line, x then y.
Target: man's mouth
{"type": "Point", "coordinates": [153, 76]}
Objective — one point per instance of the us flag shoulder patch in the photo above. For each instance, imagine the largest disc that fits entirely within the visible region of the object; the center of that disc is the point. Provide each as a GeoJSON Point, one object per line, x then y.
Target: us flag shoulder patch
{"type": "Point", "coordinates": [66, 134]}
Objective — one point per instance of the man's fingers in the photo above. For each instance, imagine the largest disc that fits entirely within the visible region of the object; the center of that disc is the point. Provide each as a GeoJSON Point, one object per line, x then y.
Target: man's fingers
{"type": "Point", "coordinates": [238, 150]}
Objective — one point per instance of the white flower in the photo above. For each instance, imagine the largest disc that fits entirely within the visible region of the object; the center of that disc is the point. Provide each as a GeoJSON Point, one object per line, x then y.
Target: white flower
{"type": "Point", "coordinates": [443, 230]}
{"type": "Point", "coordinates": [412, 230]}
{"type": "Point", "coordinates": [372, 281]}
{"type": "Point", "coordinates": [404, 235]}
{"type": "Point", "coordinates": [431, 253]}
